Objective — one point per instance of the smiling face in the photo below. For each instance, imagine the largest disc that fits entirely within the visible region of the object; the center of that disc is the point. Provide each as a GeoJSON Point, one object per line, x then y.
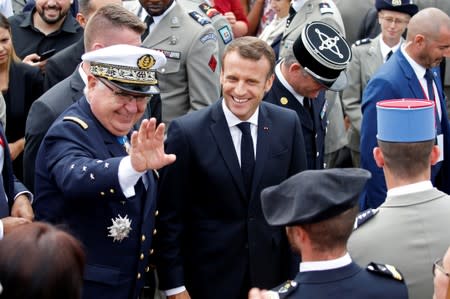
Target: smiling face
{"type": "Point", "coordinates": [244, 83]}
{"type": "Point", "coordinates": [52, 11]}
{"type": "Point", "coordinates": [155, 7]}
{"type": "Point", "coordinates": [112, 110]}
{"type": "Point", "coordinates": [281, 7]}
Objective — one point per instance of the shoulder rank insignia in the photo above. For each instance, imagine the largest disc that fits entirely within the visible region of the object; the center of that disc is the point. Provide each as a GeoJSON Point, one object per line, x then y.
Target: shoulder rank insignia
{"type": "Point", "coordinates": [199, 18]}
{"type": "Point", "coordinates": [362, 42]}
{"type": "Point", "coordinates": [325, 8]}
{"type": "Point", "coordinates": [211, 12]}
{"type": "Point", "coordinates": [385, 270]}
{"type": "Point", "coordinates": [363, 217]}
{"type": "Point", "coordinates": [284, 290]}
{"type": "Point", "coordinates": [76, 120]}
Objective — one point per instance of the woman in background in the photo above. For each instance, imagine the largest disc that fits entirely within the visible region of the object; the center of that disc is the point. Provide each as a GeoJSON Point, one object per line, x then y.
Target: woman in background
{"type": "Point", "coordinates": [20, 84]}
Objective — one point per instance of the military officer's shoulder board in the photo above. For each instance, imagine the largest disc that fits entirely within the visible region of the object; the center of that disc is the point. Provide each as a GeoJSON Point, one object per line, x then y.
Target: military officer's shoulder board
{"type": "Point", "coordinates": [385, 270]}
{"type": "Point", "coordinates": [364, 216]}
{"type": "Point", "coordinates": [284, 290]}
{"type": "Point", "coordinates": [199, 18]}
{"type": "Point", "coordinates": [76, 120]}
{"type": "Point", "coordinates": [211, 12]}
{"type": "Point", "coordinates": [361, 42]}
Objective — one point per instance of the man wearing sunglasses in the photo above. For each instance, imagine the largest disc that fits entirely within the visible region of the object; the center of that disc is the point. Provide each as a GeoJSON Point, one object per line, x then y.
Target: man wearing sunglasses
{"type": "Point", "coordinates": [96, 177]}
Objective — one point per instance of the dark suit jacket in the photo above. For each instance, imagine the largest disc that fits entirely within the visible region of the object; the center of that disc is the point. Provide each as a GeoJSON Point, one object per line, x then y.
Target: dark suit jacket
{"type": "Point", "coordinates": [62, 64]}
{"type": "Point", "coordinates": [350, 282]}
{"type": "Point", "coordinates": [77, 185]}
{"type": "Point", "coordinates": [25, 86]}
{"type": "Point", "coordinates": [11, 185]}
{"type": "Point", "coordinates": [396, 79]}
{"type": "Point", "coordinates": [314, 128]}
{"type": "Point", "coordinates": [210, 233]}
{"type": "Point", "coordinates": [42, 114]}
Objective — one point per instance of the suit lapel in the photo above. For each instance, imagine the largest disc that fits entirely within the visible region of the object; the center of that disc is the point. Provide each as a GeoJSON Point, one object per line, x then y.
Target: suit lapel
{"type": "Point", "coordinates": [222, 136]}
{"type": "Point", "coordinates": [413, 82]}
{"type": "Point", "coordinates": [262, 145]}
{"type": "Point", "coordinates": [77, 84]}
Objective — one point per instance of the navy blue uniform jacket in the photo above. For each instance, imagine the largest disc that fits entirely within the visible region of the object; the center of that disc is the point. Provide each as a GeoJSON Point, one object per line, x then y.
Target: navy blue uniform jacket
{"type": "Point", "coordinates": [314, 127]}
{"type": "Point", "coordinates": [395, 80]}
{"type": "Point", "coordinates": [210, 233]}
{"type": "Point", "coordinates": [77, 185]}
{"type": "Point", "coordinates": [346, 282]}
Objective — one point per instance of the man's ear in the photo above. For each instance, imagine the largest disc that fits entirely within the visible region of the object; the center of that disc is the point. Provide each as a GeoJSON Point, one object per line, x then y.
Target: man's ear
{"type": "Point", "coordinates": [435, 153]}
{"type": "Point", "coordinates": [378, 156]}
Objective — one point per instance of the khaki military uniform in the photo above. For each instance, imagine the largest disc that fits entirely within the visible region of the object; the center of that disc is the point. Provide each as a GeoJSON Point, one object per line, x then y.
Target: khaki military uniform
{"type": "Point", "coordinates": [190, 79]}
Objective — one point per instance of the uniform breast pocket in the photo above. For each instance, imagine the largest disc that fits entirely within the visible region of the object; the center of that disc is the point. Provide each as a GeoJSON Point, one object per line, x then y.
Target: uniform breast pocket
{"type": "Point", "coordinates": [172, 66]}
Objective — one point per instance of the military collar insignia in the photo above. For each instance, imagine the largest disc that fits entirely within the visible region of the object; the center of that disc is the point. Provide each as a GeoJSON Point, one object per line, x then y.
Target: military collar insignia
{"type": "Point", "coordinates": [120, 228]}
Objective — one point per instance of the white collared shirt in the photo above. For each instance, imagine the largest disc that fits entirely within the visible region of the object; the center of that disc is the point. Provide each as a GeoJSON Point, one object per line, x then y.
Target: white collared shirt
{"type": "Point", "coordinates": [236, 134]}
{"type": "Point", "coordinates": [286, 84]}
{"type": "Point", "coordinates": [420, 73]}
{"type": "Point", "coordinates": [411, 188]}
{"type": "Point", "coordinates": [326, 265]}
{"type": "Point", "coordinates": [156, 19]}
{"type": "Point", "coordinates": [385, 49]}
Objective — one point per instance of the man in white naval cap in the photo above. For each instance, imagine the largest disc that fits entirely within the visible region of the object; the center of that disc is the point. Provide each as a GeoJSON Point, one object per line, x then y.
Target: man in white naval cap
{"type": "Point", "coordinates": [410, 228]}
{"type": "Point", "coordinates": [95, 176]}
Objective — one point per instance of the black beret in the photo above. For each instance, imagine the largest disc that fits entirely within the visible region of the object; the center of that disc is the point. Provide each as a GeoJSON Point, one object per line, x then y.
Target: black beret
{"type": "Point", "coordinates": [313, 195]}
{"type": "Point", "coordinates": [404, 6]}
{"type": "Point", "coordinates": [324, 53]}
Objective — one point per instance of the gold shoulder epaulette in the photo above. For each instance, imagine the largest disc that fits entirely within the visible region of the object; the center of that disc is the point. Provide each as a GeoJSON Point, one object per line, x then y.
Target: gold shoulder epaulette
{"type": "Point", "coordinates": [385, 270]}
{"type": "Point", "coordinates": [76, 120]}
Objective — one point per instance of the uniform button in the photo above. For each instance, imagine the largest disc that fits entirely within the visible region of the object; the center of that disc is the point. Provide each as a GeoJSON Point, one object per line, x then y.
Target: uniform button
{"type": "Point", "coordinates": [147, 269]}
{"type": "Point", "coordinates": [139, 276]}
{"type": "Point", "coordinates": [151, 251]}
{"type": "Point", "coordinates": [316, 136]}
{"type": "Point", "coordinates": [102, 193]}
{"type": "Point", "coordinates": [156, 213]}
{"type": "Point", "coordinates": [143, 238]}
{"type": "Point", "coordinates": [317, 154]}
{"type": "Point", "coordinates": [112, 191]}
{"type": "Point", "coordinates": [154, 231]}
{"type": "Point", "coordinates": [141, 256]}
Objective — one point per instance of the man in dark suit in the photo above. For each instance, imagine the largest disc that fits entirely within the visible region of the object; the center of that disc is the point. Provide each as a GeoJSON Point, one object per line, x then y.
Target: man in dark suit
{"type": "Point", "coordinates": [15, 205]}
{"type": "Point", "coordinates": [318, 223]}
{"type": "Point", "coordinates": [213, 240]}
{"type": "Point", "coordinates": [302, 78]}
{"type": "Point", "coordinates": [96, 177]}
{"type": "Point", "coordinates": [63, 63]}
{"type": "Point", "coordinates": [411, 72]}
{"type": "Point", "coordinates": [110, 25]}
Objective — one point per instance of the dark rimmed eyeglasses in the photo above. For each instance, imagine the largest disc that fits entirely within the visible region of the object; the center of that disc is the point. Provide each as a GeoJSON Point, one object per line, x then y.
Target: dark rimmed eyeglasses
{"type": "Point", "coordinates": [124, 97]}
{"type": "Point", "coordinates": [438, 264]}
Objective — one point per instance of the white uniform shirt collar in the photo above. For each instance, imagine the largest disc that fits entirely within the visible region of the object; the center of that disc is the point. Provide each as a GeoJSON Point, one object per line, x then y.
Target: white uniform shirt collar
{"type": "Point", "coordinates": [157, 19]}
{"type": "Point", "coordinates": [285, 83]}
{"type": "Point", "coordinates": [385, 49]}
{"type": "Point", "coordinates": [411, 188]}
{"type": "Point", "coordinates": [417, 68]}
{"type": "Point", "coordinates": [82, 74]}
{"type": "Point", "coordinates": [326, 265]}
{"type": "Point", "coordinates": [233, 120]}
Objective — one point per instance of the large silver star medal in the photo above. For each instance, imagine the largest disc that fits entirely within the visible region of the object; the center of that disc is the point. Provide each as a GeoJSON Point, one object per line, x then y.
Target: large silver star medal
{"type": "Point", "coordinates": [120, 229]}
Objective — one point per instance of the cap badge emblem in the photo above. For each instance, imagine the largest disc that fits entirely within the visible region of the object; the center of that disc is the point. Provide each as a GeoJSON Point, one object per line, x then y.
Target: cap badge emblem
{"type": "Point", "coordinates": [145, 62]}
{"type": "Point", "coordinates": [329, 43]}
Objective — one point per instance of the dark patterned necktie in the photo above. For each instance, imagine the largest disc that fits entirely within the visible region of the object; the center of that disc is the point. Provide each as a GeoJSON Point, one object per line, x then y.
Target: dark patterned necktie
{"type": "Point", "coordinates": [429, 77]}
{"type": "Point", "coordinates": [247, 156]}
{"type": "Point", "coordinates": [148, 20]}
